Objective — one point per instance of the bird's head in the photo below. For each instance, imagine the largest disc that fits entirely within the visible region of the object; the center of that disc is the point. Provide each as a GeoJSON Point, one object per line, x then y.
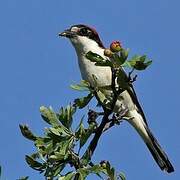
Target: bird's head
{"type": "Point", "coordinates": [83, 38]}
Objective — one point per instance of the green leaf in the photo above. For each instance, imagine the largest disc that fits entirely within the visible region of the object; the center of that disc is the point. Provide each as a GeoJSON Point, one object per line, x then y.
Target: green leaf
{"type": "Point", "coordinates": [142, 58]}
{"type": "Point", "coordinates": [48, 148]}
{"type": "Point", "coordinates": [142, 66]}
{"type": "Point", "coordinates": [49, 116]}
{"type": "Point", "coordinates": [84, 172]}
{"type": "Point", "coordinates": [65, 146]}
{"type": "Point", "coordinates": [58, 168]}
{"type": "Point", "coordinates": [108, 170]}
{"type": "Point", "coordinates": [133, 60]}
{"type": "Point", "coordinates": [35, 155]}
{"type": "Point", "coordinates": [122, 176]}
{"type": "Point", "coordinates": [68, 176]}
{"type": "Point", "coordinates": [80, 129]}
{"type": "Point", "coordinates": [57, 156]}
{"type": "Point", "coordinates": [82, 102]}
{"type": "Point", "coordinates": [65, 115]}
{"type": "Point", "coordinates": [60, 131]}
{"type": "Point", "coordinates": [83, 86]}
{"type": "Point", "coordinates": [112, 174]}
{"type": "Point", "coordinates": [99, 60]}
{"type": "Point", "coordinates": [93, 57]}
{"type": "Point", "coordinates": [118, 59]}
{"type": "Point", "coordinates": [139, 62]}
{"type": "Point", "coordinates": [33, 163]}
{"type": "Point", "coordinates": [40, 141]}
{"type": "Point", "coordinates": [86, 158]}
{"type": "Point", "coordinates": [79, 88]}
{"type": "Point", "coordinates": [27, 133]}
{"type": "Point", "coordinates": [126, 64]}
{"type": "Point", "coordinates": [96, 169]}
{"type": "Point", "coordinates": [85, 136]}
{"type": "Point", "coordinates": [124, 53]}
{"type": "Point", "coordinates": [104, 63]}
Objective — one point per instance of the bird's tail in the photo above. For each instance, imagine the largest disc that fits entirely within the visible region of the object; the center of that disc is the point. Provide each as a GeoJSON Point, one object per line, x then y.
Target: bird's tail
{"type": "Point", "coordinates": [154, 147]}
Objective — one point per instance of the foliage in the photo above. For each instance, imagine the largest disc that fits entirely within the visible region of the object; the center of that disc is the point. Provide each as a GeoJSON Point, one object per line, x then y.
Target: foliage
{"type": "Point", "coordinates": [59, 152]}
{"type": "Point", "coordinates": [120, 59]}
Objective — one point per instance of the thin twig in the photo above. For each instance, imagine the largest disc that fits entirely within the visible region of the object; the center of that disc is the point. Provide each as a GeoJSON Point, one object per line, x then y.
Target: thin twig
{"type": "Point", "coordinates": [130, 73]}
{"type": "Point", "coordinates": [131, 79]}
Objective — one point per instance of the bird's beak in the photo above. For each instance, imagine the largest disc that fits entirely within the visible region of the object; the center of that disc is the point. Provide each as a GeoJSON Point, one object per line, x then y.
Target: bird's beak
{"type": "Point", "coordinates": [67, 33]}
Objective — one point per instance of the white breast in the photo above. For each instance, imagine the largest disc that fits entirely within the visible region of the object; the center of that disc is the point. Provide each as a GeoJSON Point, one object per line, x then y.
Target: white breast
{"type": "Point", "coordinates": [88, 68]}
{"type": "Point", "coordinates": [89, 71]}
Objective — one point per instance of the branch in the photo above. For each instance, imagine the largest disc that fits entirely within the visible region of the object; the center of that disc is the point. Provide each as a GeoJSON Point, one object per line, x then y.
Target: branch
{"type": "Point", "coordinates": [92, 146]}
{"type": "Point", "coordinates": [105, 120]}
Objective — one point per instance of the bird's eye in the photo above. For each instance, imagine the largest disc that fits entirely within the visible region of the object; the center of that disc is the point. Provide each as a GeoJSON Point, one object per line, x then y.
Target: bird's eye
{"type": "Point", "coordinates": [84, 31]}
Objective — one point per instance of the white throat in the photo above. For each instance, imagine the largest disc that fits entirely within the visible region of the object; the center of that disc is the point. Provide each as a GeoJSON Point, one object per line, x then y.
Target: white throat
{"type": "Point", "coordinates": [88, 69]}
{"type": "Point", "coordinates": [83, 44]}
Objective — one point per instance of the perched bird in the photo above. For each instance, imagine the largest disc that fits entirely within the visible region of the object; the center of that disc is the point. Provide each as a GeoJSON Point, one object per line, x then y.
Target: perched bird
{"type": "Point", "coordinates": [85, 39]}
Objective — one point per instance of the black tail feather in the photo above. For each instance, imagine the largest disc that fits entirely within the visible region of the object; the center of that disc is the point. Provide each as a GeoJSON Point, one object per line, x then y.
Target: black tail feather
{"type": "Point", "coordinates": [158, 154]}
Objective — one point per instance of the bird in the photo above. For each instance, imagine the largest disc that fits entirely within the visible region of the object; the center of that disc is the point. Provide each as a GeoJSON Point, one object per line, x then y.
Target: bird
{"type": "Point", "coordinates": [84, 39]}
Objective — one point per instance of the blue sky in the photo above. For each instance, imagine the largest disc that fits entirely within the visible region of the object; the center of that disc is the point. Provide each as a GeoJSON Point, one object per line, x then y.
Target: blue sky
{"type": "Point", "coordinates": [37, 68]}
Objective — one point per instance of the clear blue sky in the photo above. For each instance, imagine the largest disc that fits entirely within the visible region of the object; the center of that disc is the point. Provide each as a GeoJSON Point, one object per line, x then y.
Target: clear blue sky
{"type": "Point", "coordinates": [37, 68]}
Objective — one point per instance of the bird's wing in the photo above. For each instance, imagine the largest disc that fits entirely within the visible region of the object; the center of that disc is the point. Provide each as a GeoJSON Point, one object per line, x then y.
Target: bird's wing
{"type": "Point", "coordinates": [130, 89]}
{"type": "Point", "coordinates": [134, 98]}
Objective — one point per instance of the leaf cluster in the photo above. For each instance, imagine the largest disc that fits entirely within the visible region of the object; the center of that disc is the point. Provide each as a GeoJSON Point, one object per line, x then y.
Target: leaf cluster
{"type": "Point", "coordinates": [57, 149]}
{"type": "Point", "coordinates": [120, 59]}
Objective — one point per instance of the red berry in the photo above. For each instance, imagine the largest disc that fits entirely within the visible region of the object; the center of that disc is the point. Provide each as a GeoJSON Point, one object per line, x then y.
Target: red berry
{"type": "Point", "coordinates": [115, 46]}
